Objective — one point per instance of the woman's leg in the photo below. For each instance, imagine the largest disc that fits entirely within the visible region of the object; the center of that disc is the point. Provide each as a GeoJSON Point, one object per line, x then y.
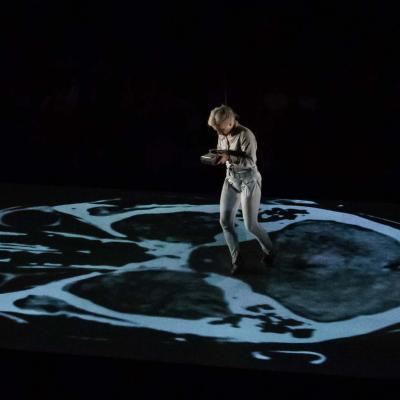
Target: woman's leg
{"type": "Point", "coordinates": [229, 205]}
{"type": "Point", "coordinates": [250, 205]}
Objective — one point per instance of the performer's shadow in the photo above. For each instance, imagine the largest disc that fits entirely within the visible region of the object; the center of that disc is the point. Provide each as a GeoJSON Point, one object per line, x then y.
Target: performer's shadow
{"type": "Point", "coordinates": [217, 259]}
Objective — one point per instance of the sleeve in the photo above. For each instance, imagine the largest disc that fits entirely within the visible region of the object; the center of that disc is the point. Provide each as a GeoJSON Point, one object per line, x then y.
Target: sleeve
{"type": "Point", "coordinates": [219, 143]}
{"type": "Point", "coordinates": [246, 158]}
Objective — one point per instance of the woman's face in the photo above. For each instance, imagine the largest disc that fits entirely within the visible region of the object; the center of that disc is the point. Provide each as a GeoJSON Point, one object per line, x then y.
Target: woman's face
{"type": "Point", "coordinates": [224, 127]}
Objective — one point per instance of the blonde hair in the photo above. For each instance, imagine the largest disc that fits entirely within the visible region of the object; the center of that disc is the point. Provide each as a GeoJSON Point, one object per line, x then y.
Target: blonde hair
{"type": "Point", "coordinates": [220, 114]}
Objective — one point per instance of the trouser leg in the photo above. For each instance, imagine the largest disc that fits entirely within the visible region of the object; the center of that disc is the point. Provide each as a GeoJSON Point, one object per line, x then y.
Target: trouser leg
{"type": "Point", "coordinates": [250, 205]}
{"type": "Point", "coordinates": [229, 205]}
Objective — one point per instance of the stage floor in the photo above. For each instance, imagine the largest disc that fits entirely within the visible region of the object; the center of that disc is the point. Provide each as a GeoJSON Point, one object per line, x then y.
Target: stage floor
{"type": "Point", "coordinates": [146, 276]}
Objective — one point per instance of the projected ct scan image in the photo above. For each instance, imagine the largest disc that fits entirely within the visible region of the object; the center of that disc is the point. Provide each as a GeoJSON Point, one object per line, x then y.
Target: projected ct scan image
{"type": "Point", "coordinates": [151, 280]}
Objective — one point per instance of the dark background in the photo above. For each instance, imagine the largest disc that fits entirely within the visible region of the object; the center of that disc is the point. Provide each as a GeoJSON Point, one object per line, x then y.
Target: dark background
{"type": "Point", "coordinates": [118, 94]}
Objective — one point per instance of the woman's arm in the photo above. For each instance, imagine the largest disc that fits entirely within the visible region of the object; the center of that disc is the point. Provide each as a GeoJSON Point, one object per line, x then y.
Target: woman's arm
{"type": "Point", "coordinates": [248, 146]}
{"type": "Point", "coordinates": [224, 154]}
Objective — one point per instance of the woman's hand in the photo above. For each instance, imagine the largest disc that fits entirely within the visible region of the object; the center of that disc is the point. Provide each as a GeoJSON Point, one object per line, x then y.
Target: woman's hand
{"type": "Point", "coordinates": [224, 157]}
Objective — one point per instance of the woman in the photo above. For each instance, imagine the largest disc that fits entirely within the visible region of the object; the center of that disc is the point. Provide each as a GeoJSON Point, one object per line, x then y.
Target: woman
{"type": "Point", "coordinates": [242, 184]}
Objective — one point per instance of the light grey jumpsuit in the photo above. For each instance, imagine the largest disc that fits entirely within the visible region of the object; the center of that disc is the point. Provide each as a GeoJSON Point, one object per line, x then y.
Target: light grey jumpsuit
{"type": "Point", "coordinates": [242, 186]}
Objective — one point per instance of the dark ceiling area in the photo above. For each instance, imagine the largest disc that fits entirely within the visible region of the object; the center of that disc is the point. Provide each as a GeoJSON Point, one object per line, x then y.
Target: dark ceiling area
{"type": "Point", "coordinates": [118, 95]}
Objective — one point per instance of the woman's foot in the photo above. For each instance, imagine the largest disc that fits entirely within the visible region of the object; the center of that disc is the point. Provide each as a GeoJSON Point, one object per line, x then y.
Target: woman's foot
{"type": "Point", "coordinates": [237, 265]}
{"type": "Point", "coordinates": [268, 259]}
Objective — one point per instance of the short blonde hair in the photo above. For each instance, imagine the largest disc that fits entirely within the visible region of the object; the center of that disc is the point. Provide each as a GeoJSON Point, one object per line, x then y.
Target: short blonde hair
{"type": "Point", "coordinates": [220, 114]}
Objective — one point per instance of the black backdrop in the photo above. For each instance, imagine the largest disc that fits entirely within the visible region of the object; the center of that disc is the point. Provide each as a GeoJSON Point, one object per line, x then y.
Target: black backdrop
{"type": "Point", "coordinates": [118, 94]}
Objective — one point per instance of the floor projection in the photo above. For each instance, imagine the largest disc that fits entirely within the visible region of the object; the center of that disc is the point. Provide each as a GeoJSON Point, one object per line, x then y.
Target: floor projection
{"type": "Point", "coordinates": [150, 280]}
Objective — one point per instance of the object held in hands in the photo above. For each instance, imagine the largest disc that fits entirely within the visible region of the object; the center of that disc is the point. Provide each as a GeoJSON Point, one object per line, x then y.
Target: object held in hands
{"type": "Point", "coordinates": [212, 157]}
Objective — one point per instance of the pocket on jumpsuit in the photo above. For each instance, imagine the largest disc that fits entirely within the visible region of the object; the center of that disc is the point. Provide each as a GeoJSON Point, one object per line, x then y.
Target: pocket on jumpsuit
{"type": "Point", "coordinates": [248, 186]}
{"type": "Point", "coordinates": [259, 179]}
{"type": "Point", "coordinates": [234, 183]}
